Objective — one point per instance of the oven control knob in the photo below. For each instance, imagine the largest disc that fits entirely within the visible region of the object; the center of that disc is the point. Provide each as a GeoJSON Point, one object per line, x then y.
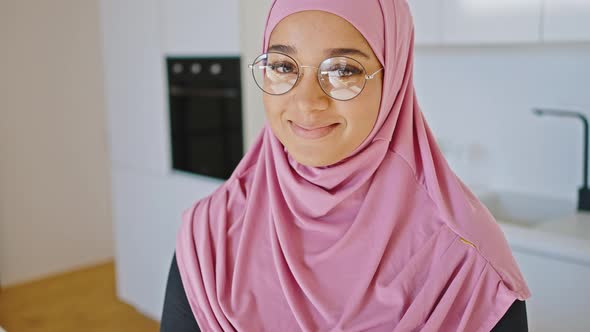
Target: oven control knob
{"type": "Point", "coordinates": [196, 68]}
{"type": "Point", "coordinates": [215, 69]}
{"type": "Point", "coordinates": [177, 68]}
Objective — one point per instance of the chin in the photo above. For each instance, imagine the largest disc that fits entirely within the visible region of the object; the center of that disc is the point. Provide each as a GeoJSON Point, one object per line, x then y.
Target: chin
{"type": "Point", "coordinates": [307, 160]}
{"type": "Point", "coordinates": [312, 163]}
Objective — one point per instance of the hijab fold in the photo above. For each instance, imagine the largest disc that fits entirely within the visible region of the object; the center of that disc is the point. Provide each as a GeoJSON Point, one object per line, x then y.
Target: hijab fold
{"type": "Point", "coordinates": [388, 239]}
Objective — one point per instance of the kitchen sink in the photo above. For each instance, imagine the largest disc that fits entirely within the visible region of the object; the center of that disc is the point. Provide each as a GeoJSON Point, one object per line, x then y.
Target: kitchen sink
{"type": "Point", "coordinates": [527, 210]}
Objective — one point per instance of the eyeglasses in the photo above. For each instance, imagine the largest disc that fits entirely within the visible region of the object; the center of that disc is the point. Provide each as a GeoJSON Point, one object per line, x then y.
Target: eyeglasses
{"type": "Point", "coordinates": [341, 77]}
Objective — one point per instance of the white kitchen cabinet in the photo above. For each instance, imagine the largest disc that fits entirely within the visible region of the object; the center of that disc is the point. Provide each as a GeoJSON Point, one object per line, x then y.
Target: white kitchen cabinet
{"type": "Point", "coordinates": [560, 292]}
{"type": "Point", "coordinates": [147, 212]}
{"type": "Point", "coordinates": [491, 21]}
{"type": "Point", "coordinates": [148, 198]}
{"type": "Point", "coordinates": [566, 20]}
{"type": "Point", "coordinates": [137, 36]}
{"type": "Point", "coordinates": [200, 28]}
{"type": "Point", "coordinates": [134, 85]}
{"type": "Point", "coordinates": [427, 21]}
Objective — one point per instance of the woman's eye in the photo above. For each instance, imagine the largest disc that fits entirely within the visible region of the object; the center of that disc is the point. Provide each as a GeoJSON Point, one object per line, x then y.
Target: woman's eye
{"type": "Point", "coordinates": [282, 68]}
{"type": "Point", "coordinates": [344, 72]}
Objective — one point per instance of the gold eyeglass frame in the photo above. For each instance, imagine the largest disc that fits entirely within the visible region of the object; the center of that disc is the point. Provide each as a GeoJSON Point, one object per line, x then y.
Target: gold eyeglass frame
{"type": "Point", "coordinates": [318, 74]}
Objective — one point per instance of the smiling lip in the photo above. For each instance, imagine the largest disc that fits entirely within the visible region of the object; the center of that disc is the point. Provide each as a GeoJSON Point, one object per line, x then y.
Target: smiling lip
{"type": "Point", "coordinates": [312, 133]}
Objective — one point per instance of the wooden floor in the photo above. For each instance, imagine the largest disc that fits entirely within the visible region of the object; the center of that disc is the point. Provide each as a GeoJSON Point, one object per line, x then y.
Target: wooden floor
{"type": "Point", "coordinates": [82, 300]}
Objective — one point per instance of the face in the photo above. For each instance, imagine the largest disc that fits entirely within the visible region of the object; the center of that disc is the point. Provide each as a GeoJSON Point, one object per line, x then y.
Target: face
{"type": "Point", "coordinates": [316, 129]}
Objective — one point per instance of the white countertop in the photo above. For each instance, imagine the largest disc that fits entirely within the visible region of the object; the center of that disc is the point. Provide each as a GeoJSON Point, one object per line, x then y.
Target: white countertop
{"type": "Point", "coordinates": [565, 238]}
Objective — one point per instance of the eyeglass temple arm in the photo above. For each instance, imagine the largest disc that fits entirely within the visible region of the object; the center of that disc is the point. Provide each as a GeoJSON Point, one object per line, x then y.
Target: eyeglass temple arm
{"type": "Point", "coordinates": [373, 74]}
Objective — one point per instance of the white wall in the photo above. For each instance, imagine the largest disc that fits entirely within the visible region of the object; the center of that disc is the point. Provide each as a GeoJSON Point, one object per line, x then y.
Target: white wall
{"type": "Point", "coordinates": [55, 211]}
{"type": "Point", "coordinates": [481, 98]}
{"type": "Point", "coordinates": [148, 197]}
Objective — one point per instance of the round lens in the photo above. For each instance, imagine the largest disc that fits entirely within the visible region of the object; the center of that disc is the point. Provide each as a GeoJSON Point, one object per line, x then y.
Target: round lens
{"type": "Point", "coordinates": [275, 73]}
{"type": "Point", "coordinates": [342, 78]}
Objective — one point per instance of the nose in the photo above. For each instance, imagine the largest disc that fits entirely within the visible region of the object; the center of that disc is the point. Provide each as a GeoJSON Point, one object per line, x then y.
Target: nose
{"type": "Point", "coordinates": [309, 96]}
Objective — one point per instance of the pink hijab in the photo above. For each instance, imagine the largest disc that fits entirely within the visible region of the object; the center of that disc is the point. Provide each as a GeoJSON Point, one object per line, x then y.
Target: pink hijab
{"type": "Point", "coordinates": [388, 239]}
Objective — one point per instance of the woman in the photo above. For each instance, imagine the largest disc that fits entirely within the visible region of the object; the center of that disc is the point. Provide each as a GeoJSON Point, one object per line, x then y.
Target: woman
{"type": "Point", "coordinates": [344, 215]}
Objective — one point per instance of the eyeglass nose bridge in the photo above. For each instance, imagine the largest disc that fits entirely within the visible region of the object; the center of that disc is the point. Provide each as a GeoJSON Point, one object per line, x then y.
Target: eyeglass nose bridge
{"type": "Point", "coordinates": [300, 73]}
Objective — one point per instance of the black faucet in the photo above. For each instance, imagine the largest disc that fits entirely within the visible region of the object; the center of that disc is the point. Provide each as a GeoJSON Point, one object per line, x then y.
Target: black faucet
{"type": "Point", "coordinates": [583, 192]}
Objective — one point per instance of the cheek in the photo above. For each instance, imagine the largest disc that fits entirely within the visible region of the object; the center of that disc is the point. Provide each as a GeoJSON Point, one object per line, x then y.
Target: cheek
{"type": "Point", "coordinates": [363, 115]}
{"type": "Point", "coordinates": [273, 111]}
{"type": "Point", "coordinates": [271, 108]}
{"type": "Point", "coordinates": [362, 123]}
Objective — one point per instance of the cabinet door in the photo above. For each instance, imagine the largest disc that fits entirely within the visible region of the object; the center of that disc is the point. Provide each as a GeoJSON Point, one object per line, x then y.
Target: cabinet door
{"type": "Point", "coordinates": [200, 28]}
{"type": "Point", "coordinates": [491, 21]}
{"type": "Point", "coordinates": [427, 21]}
{"type": "Point", "coordinates": [560, 292]}
{"type": "Point", "coordinates": [566, 20]}
{"type": "Point", "coordinates": [134, 85]}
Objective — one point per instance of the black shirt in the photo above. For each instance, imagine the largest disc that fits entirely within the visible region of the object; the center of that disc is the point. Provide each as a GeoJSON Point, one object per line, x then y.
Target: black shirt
{"type": "Point", "coordinates": [178, 317]}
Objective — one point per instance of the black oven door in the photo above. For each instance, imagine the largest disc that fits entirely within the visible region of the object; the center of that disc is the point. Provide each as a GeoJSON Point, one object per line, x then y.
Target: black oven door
{"type": "Point", "coordinates": [205, 115]}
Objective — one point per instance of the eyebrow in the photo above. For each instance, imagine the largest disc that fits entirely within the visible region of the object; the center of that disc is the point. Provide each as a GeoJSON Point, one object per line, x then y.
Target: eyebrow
{"type": "Point", "coordinates": [288, 49]}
